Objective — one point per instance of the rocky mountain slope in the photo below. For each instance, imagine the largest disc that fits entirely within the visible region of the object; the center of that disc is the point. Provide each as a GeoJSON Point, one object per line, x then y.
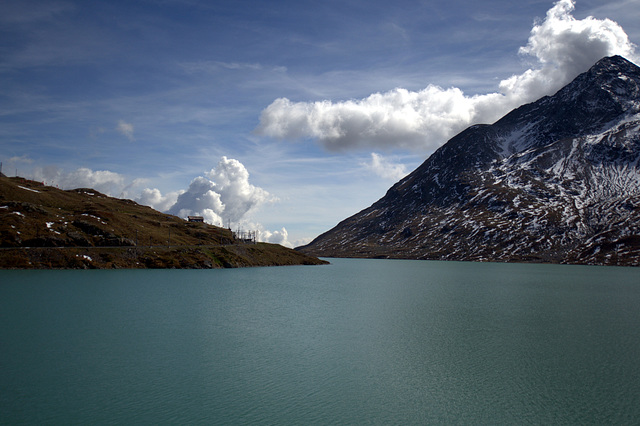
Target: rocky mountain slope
{"type": "Point", "coordinates": [45, 227]}
{"type": "Point", "coordinates": [557, 180]}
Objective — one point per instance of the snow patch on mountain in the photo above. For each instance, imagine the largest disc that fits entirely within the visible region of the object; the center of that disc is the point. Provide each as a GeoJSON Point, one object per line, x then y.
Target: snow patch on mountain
{"type": "Point", "coordinates": [557, 180]}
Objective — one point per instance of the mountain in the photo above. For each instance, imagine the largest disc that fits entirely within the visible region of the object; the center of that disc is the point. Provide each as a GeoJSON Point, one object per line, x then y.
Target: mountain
{"type": "Point", "coordinates": [556, 180]}
{"type": "Point", "coordinates": [45, 227]}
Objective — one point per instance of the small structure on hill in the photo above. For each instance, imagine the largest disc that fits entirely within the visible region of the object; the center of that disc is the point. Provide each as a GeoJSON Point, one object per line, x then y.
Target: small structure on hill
{"type": "Point", "coordinates": [247, 237]}
{"type": "Point", "coordinates": [195, 219]}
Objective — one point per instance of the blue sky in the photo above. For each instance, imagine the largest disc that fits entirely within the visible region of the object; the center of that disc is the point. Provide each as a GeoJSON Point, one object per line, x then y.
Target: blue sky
{"type": "Point", "coordinates": [282, 116]}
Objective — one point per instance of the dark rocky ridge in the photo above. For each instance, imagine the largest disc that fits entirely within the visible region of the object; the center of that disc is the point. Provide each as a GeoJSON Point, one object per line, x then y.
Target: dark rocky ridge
{"type": "Point", "coordinates": [556, 181]}
{"type": "Point", "coordinates": [45, 227]}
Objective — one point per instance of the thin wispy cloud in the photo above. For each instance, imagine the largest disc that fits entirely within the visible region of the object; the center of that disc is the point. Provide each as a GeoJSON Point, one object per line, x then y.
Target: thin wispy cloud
{"type": "Point", "coordinates": [17, 12]}
{"type": "Point", "coordinates": [214, 66]}
{"type": "Point", "coordinates": [559, 47]}
{"type": "Point", "coordinates": [21, 159]}
{"type": "Point", "coordinates": [125, 129]}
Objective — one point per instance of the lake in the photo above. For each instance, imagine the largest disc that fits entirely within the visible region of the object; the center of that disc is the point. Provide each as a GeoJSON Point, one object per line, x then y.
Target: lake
{"type": "Point", "coordinates": [354, 342]}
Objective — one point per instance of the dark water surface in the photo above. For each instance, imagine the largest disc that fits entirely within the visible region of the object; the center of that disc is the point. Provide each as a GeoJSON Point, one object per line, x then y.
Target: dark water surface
{"type": "Point", "coordinates": [356, 342]}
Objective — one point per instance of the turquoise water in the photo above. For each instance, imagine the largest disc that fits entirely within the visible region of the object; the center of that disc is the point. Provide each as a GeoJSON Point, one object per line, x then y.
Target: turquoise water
{"type": "Point", "coordinates": [355, 342]}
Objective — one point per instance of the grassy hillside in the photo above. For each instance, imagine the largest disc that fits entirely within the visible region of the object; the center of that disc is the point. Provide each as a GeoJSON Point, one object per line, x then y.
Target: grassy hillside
{"type": "Point", "coordinates": [45, 227]}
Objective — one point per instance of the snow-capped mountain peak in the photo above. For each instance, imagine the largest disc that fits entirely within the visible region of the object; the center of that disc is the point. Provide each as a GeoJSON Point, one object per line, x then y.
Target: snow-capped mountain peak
{"type": "Point", "coordinates": [557, 180]}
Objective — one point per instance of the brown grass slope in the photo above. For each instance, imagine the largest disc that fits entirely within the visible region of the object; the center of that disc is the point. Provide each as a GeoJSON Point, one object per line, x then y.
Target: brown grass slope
{"type": "Point", "coordinates": [45, 227]}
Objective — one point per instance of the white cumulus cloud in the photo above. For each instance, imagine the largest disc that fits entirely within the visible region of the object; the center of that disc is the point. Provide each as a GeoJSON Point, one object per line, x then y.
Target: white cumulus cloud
{"type": "Point", "coordinates": [560, 47]}
{"type": "Point", "coordinates": [105, 181]}
{"type": "Point", "coordinates": [152, 197]}
{"type": "Point", "coordinates": [248, 228]}
{"type": "Point", "coordinates": [200, 199]}
{"type": "Point", "coordinates": [564, 47]}
{"type": "Point", "coordinates": [275, 237]}
{"type": "Point", "coordinates": [222, 195]}
{"type": "Point", "coordinates": [385, 168]}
